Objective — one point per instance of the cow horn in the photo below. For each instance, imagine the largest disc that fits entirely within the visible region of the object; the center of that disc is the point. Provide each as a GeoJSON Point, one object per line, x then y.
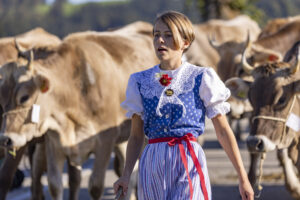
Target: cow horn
{"type": "Point", "coordinates": [212, 41]}
{"type": "Point", "coordinates": [296, 66]}
{"type": "Point", "coordinates": [246, 66]}
{"type": "Point", "coordinates": [20, 52]}
{"type": "Point", "coordinates": [30, 59]}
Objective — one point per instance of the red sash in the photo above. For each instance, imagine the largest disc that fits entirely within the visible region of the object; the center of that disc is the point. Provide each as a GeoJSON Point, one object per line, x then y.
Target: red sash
{"type": "Point", "coordinates": [172, 141]}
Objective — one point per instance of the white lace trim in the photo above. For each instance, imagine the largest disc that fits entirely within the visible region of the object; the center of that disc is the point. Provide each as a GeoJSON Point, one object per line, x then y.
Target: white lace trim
{"type": "Point", "coordinates": [183, 81]}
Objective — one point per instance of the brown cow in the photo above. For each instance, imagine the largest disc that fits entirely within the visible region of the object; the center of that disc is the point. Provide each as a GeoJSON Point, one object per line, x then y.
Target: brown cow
{"type": "Point", "coordinates": [274, 96]}
{"type": "Point", "coordinates": [75, 94]}
{"type": "Point", "coordinates": [37, 37]}
{"type": "Point", "coordinates": [202, 54]}
{"type": "Point", "coordinates": [266, 49]}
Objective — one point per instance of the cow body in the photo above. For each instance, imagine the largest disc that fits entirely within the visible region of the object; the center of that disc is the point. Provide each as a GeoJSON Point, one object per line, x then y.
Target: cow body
{"type": "Point", "coordinates": [275, 25]}
{"type": "Point", "coordinates": [79, 88]}
{"type": "Point", "coordinates": [274, 96]}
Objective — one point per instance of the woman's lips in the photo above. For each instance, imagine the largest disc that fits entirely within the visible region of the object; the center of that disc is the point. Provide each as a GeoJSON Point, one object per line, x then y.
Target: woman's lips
{"type": "Point", "coordinates": [161, 49]}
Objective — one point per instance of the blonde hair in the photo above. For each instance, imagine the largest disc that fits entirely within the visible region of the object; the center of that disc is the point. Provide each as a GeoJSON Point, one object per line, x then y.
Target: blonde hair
{"type": "Point", "coordinates": [180, 26]}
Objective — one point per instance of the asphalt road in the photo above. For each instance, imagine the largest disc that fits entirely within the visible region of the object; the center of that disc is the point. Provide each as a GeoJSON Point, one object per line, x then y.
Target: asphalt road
{"type": "Point", "coordinates": [222, 174]}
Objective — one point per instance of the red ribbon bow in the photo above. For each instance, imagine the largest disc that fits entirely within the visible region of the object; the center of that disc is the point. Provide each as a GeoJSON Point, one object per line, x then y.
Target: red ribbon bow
{"type": "Point", "coordinates": [172, 141]}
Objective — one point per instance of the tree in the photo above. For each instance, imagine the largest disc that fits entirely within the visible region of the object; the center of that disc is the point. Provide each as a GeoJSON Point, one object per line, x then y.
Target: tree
{"type": "Point", "coordinates": [225, 9]}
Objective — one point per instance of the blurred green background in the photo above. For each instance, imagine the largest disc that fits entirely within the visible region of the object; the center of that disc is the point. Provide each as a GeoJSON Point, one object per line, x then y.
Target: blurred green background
{"type": "Point", "coordinates": [62, 17]}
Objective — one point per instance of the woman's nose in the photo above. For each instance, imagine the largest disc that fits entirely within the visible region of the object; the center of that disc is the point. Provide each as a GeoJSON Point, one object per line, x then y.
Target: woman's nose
{"type": "Point", "coordinates": [161, 40]}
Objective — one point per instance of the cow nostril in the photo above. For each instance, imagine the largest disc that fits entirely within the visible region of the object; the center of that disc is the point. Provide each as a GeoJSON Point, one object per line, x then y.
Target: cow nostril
{"type": "Point", "coordinates": [5, 141]}
{"type": "Point", "coordinates": [255, 144]}
{"type": "Point", "coordinates": [260, 145]}
{"type": "Point", "coordinates": [8, 142]}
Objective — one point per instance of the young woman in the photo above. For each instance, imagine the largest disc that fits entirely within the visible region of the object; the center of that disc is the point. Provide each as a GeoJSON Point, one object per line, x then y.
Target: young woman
{"type": "Point", "coordinates": [168, 104]}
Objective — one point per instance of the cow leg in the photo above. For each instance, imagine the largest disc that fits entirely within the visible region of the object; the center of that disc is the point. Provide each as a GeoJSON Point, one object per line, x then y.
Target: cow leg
{"type": "Point", "coordinates": [7, 171]}
{"type": "Point", "coordinates": [74, 181]}
{"type": "Point", "coordinates": [2, 153]}
{"type": "Point", "coordinates": [132, 188]}
{"type": "Point", "coordinates": [39, 166]}
{"type": "Point", "coordinates": [235, 126]}
{"type": "Point", "coordinates": [291, 179]}
{"type": "Point", "coordinates": [120, 147]}
{"type": "Point", "coordinates": [55, 163]}
{"type": "Point", "coordinates": [119, 160]}
{"type": "Point", "coordinates": [254, 158]}
{"type": "Point", "coordinates": [120, 150]}
{"type": "Point", "coordinates": [106, 142]}
{"type": "Point", "coordinates": [238, 129]}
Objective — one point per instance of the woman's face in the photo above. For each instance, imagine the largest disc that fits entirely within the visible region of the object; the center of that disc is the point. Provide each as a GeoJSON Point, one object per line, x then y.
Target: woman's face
{"type": "Point", "coordinates": [164, 45]}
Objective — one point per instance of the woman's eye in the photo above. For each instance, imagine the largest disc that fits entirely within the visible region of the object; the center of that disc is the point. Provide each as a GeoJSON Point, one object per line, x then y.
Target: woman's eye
{"type": "Point", "coordinates": [156, 35]}
{"type": "Point", "coordinates": [24, 99]}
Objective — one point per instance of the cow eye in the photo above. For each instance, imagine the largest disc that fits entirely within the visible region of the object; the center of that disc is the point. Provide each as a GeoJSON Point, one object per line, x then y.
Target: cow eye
{"type": "Point", "coordinates": [240, 72]}
{"type": "Point", "coordinates": [281, 100]}
{"type": "Point", "coordinates": [281, 103]}
{"type": "Point", "coordinates": [24, 99]}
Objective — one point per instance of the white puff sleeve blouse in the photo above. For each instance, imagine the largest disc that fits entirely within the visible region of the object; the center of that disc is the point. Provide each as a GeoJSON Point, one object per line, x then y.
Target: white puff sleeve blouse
{"type": "Point", "coordinates": [214, 93]}
{"type": "Point", "coordinates": [133, 103]}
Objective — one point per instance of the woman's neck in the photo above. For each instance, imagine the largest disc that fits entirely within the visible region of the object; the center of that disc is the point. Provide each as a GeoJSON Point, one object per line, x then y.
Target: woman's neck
{"type": "Point", "coordinates": [170, 65]}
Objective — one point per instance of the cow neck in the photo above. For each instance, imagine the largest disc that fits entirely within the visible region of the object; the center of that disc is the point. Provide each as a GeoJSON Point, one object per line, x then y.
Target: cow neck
{"type": "Point", "coordinates": [284, 120]}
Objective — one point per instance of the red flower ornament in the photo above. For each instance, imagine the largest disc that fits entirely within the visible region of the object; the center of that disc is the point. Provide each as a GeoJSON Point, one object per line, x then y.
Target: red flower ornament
{"type": "Point", "coordinates": [165, 80]}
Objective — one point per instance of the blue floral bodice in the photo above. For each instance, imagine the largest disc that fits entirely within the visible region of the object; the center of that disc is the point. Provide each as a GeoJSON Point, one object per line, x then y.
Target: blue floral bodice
{"type": "Point", "coordinates": [196, 92]}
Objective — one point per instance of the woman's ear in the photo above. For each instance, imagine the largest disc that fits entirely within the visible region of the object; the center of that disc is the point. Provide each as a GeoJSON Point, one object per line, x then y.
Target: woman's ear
{"type": "Point", "coordinates": [186, 44]}
{"type": "Point", "coordinates": [42, 83]}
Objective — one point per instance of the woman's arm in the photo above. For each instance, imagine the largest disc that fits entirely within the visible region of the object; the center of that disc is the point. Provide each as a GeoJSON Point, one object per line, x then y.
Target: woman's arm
{"type": "Point", "coordinates": [134, 147]}
{"type": "Point", "coordinates": [229, 144]}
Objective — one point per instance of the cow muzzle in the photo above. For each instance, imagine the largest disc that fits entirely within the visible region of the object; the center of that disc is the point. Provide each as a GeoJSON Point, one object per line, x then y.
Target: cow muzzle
{"type": "Point", "coordinates": [5, 141]}
{"type": "Point", "coordinates": [259, 144]}
{"type": "Point", "coordinates": [12, 140]}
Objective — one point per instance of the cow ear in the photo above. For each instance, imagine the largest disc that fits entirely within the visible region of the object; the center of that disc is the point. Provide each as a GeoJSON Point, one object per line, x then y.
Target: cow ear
{"type": "Point", "coordinates": [267, 55]}
{"type": "Point", "coordinates": [238, 87]}
{"type": "Point", "coordinates": [42, 83]}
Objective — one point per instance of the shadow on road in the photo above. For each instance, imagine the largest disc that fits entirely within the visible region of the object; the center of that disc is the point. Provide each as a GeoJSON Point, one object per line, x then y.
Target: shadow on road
{"type": "Point", "coordinates": [224, 192]}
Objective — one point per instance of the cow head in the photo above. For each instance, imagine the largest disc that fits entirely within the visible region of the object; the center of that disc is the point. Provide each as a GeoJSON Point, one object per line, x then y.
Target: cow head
{"type": "Point", "coordinates": [230, 64]}
{"type": "Point", "coordinates": [273, 96]}
{"type": "Point", "coordinates": [20, 89]}
{"type": "Point", "coordinates": [230, 58]}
